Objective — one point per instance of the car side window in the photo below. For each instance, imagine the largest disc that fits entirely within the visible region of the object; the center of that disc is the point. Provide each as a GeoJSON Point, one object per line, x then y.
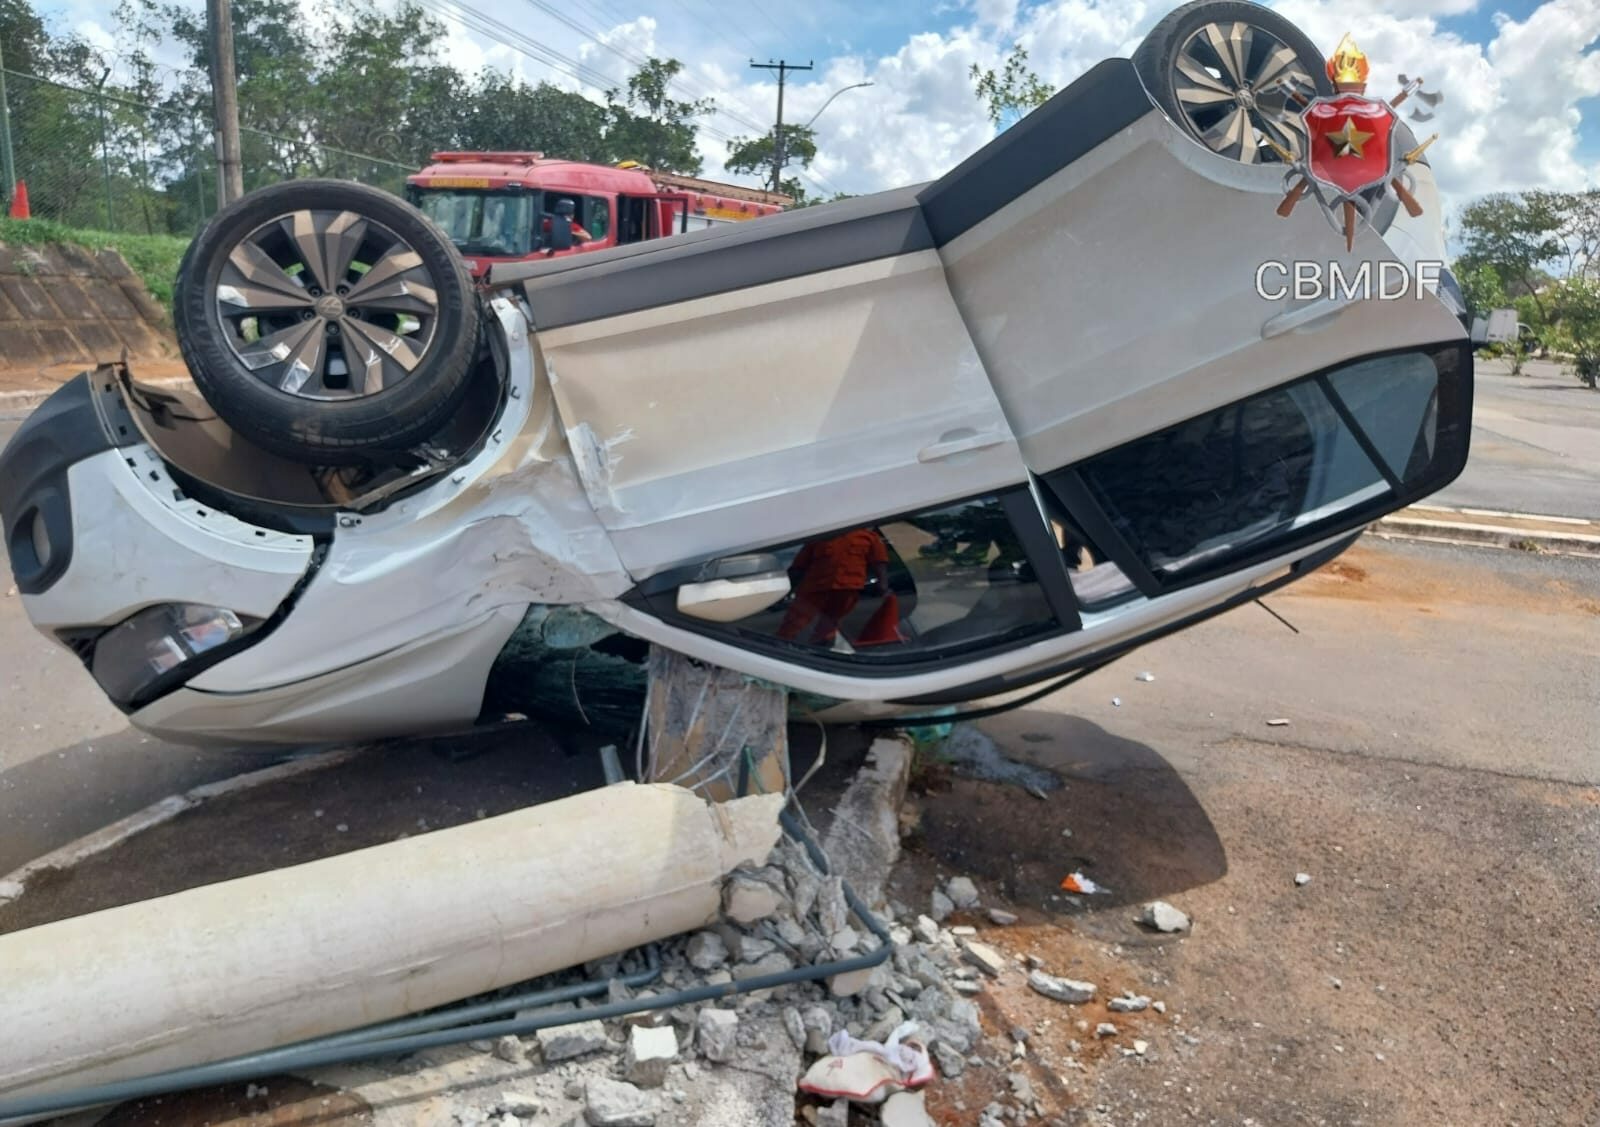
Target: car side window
{"type": "Point", "coordinates": [911, 588]}
{"type": "Point", "coordinates": [597, 216]}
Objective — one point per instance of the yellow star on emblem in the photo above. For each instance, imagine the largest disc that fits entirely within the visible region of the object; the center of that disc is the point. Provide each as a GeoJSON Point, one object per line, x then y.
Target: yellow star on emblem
{"type": "Point", "coordinates": [1349, 140]}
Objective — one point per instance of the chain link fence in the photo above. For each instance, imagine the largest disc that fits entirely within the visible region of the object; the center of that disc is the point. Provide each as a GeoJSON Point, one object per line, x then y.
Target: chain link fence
{"type": "Point", "coordinates": [95, 159]}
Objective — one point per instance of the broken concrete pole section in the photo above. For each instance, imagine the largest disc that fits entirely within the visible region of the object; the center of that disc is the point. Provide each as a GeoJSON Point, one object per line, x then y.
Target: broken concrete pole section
{"type": "Point", "coordinates": [313, 949]}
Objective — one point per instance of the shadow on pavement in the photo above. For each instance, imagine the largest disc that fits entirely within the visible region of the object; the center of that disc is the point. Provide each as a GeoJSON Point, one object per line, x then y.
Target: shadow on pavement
{"type": "Point", "coordinates": [1135, 826]}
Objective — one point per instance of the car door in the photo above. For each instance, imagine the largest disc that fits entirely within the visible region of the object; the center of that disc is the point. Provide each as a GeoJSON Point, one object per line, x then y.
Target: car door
{"type": "Point", "coordinates": [768, 382]}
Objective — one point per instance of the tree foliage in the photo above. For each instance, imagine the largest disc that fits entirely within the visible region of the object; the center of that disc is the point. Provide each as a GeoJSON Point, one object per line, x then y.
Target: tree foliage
{"type": "Point", "coordinates": [754, 156]}
{"type": "Point", "coordinates": [1013, 91]}
{"type": "Point", "coordinates": [358, 89]}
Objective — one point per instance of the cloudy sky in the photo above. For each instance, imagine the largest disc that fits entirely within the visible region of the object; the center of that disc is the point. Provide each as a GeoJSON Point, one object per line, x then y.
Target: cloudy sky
{"type": "Point", "coordinates": [1521, 78]}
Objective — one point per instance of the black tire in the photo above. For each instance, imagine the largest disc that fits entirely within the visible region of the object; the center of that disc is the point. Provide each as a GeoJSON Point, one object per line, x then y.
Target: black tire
{"type": "Point", "coordinates": [1158, 57]}
{"type": "Point", "coordinates": [335, 427]}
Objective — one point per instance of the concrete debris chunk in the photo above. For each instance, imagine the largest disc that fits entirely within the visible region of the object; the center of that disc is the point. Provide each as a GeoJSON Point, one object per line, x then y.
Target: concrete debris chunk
{"type": "Point", "coordinates": [569, 1041]}
{"type": "Point", "coordinates": [951, 1063]}
{"type": "Point", "coordinates": [747, 898]}
{"type": "Point", "coordinates": [845, 940]}
{"type": "Point", "coordinates": [10, 890]}
{"type": "Point", "coordinates": [510, 1050]}
{"type": "Point", "coordinates": [1161, 916]}
{"type": "Point", "coordinates": [962, 892]}
{"type": "Point", "coordinates": [984, 957]}
{"type": "Point", "coordinates": [1105, 1029]}
{"type": "Point", "coordinates": [718, 1032]}
{"type": "Point", "coordinates": [1302, 879]}
{"type": "Point", "coordinates": [818, 1024]}
{"type": "Point", "coordinates": [1159, 1007]}
{"type": "Point", "coordinates": [1141, 1047]}
{"type": "Point", "coordinates": [520, 1104]}
{"type": "Point", "coordinates": [1061, 989]}
{"type": "Point", "coordinates": [940, 906]}
{"type": "Point", "coordinates": [926, 929]}
{"type": "Point", "coordinates": [650, 1053]}
{"type": "Point", "coordinates": [905, 1109]}
{"type": "Point", "coordinates": [1128, 1004]}
{"type": "Point", "coordinates": [614, 1103]}
{"type": "Point", "coordinates": [836, 1114]}
{"type": "Point", "coordinates": [752, 948]}
{"type": "Point", "coordinates": [706, 950]}
{"type": "Point", "coordinates": [1002, 918]}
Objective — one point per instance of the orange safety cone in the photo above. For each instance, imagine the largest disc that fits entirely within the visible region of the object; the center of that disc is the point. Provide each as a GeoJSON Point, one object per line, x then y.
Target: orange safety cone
{"type": "Point", "coordinates": [19, 202]}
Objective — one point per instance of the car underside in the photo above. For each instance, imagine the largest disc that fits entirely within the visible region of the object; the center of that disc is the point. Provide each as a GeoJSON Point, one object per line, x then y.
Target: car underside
{"type": "Point", "coordinates": [895, 453]}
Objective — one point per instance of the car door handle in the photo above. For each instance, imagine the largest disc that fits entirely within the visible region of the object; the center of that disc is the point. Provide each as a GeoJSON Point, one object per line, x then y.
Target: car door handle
{"type": "Point", "coordinates": [953, 442]}
{"type": "Point", "coordinates": [1309, 318]}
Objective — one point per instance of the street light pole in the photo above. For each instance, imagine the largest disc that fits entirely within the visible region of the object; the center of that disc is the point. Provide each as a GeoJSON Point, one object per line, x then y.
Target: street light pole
{"type": "Point", "coordinates": [8, 160]}
{"type": "Point", "coordinates": [831, 97]}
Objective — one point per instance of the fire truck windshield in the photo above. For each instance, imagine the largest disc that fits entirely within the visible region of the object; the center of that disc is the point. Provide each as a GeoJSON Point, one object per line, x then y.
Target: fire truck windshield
{"type": "Point", "coordinates": [500, 224]}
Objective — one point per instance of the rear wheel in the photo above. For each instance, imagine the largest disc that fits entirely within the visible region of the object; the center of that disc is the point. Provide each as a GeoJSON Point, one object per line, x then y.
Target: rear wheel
{"type": "Point", "coordinates": [1235, 76]}
{"type": "Point", "coordinates": [327, 321]}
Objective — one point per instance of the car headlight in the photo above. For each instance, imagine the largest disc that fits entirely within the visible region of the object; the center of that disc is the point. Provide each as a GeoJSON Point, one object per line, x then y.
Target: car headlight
{"type": "Point", "coordinates": [144, 652]}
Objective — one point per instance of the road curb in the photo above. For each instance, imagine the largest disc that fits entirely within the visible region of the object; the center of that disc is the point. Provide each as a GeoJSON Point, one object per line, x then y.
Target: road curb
{"type": "Point", "coordinates": [1410, 525]}
{"type": "Point", "coordinates": [161, 811]}
{"type": "Point", "coordinates": [29, 398]}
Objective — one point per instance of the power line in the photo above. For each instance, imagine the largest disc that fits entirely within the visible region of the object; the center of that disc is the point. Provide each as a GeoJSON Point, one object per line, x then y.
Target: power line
{"type": "Point", "coordinates": [783, 67]}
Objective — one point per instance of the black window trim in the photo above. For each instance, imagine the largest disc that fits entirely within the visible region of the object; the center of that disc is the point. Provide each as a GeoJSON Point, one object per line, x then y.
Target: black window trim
{"type": "Point", "coordinates": [1082, 506]}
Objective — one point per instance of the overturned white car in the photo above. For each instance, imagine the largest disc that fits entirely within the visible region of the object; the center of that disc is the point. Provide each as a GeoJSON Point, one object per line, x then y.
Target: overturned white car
{"type": "Point", "coordinates": [904, 450]}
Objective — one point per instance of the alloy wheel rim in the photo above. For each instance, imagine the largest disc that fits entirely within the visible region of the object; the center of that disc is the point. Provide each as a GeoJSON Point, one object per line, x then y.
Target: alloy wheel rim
{"type": "Point", "coordinates": [1241, 89]}
{"type": "Point", "coordinates": [327, 305]}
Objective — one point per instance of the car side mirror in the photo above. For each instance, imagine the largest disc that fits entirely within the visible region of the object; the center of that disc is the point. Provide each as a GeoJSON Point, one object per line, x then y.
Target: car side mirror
{"type": "Point", "coordinates": [560, 233]}
{"type": "Point", "coordinates": [734, 587]}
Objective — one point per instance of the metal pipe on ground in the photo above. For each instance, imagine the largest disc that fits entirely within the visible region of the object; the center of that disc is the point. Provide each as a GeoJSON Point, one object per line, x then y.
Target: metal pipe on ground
{"type": "Point", "coordinates": [294, 954]}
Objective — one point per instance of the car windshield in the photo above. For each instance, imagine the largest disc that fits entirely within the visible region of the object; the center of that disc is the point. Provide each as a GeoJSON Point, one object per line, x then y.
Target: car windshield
{"type": "Point", "coordinates": [498, 224]}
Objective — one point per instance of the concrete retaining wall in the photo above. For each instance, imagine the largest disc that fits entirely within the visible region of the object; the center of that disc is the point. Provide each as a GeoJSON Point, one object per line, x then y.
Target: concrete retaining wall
{"type": "Point", "coordinates": [69, 305]}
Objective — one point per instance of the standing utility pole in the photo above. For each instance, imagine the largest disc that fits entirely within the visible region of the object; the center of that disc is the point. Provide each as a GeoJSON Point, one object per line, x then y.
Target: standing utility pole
{"type": "Point", "coordinates": [225, 102]}
{"type": "Point", "coordinates": [783, 68]}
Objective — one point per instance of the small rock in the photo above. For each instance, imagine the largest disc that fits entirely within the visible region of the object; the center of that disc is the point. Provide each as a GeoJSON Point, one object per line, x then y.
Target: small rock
{"type": "Point", "coordinates": [1116, 702]}
{"type": "Point", "coordinates": [1159, 1007]}
{"type": "Point", "coordinates": [961, 930]}
{"type": "Point", "coordinates": [1061, 989]}
{"type": "Point", "coordinates": [849, 983]}
{"type": "Point", "coordinates": [650, 1053]}
{"type": "Point", "coordinates": [717, 1031]}
{"type": "Point", "coordinates": [926, 929]}
{"type": "Point", "coordinates": [751, 949]}
{"type": "Point", "coordinates": [1302, 879]}
{"type": "Point", "coordinates": [520, 1105]}
{"type": "Point", "coordinates": [941, 906]}
{"type": "Point", "coordinates": [747, 898]}
{"type": "Point", "coordinates": [614, 1103]}
{"type": "Point", "coordinates": [1161, 916]}
{"type": "Point", "coordinates": [818, 1024]}
{"type": "Point", "coordinates": [775, 963]}
{"type": "Point", "coordinates": [968, 987]}
{"type": "Point", "coordinates": [1146, 677]}
{"type": "Point", "coordinates": [1128, 1004]}
{"type": "Point", "coordinates": [905, 1109]}
{"type": "Point", "coordinates": [950, 1062]}
{"type": "Point", "coordinates": [1279, 722]}
{"type": "Point", "coordinates": [1105, 1029]}
{"type": "Point", "coordinates": [510, 1050]}
{"type": "Point", "coordinates": [845, 940]}
{"type": "Point", "coordinates": [1141, 1047]}
{"type": "Point", "coordinates": [9, 890]}
{"type": "Point", "coordinates": [706, 950]}
{"type": "Point", "coordinates": [1001, 917]}
{"type": "Point", "coordinates": [836, 1114]}
{"type": "Point", "coordinates": [984, 957]}
{"type": "Point", "coordinates": [962, 892]}
{"type": "Point", "coordinates": [568, 1041]}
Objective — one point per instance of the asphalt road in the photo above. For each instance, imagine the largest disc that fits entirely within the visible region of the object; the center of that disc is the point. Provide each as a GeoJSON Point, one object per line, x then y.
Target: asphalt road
{"type": "Point", "coordinates": [1535, 444]}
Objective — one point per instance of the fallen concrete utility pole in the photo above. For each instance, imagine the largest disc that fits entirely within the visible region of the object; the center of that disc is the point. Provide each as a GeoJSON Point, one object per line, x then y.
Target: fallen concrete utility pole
{"type": "Point", "coordinates": [296, 953]}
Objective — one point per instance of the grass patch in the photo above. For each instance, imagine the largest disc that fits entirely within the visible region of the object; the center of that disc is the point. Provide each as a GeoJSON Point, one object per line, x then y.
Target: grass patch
{"type": "Point", "coordinates": [154, 258]}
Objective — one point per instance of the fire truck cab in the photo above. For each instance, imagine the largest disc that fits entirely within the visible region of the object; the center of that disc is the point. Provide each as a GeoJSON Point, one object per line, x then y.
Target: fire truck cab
{"type": "Point", "coordinates": [506, 206]}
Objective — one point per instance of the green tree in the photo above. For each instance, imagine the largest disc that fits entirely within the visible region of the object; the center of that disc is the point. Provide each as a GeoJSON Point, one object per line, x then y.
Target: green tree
{"type": "Point", "coordinates": [1575, 303]}
{"type": "Point", "coordinates": [754, 155]}
{"type": "Point", "coordinates": [652, 127]}
{"type": "Point", "coordinates": [1482, 288]}
{"type": "Point", "coordinates": [1013, 91]}
{"type": "Point", "coordinates": [1517, 235]}
{"type": "Point", "coordinates": [502, 113]}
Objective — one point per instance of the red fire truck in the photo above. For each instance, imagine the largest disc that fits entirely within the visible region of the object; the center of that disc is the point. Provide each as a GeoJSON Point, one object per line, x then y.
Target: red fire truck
{"type": "Point", "coordinates": [507, 207]}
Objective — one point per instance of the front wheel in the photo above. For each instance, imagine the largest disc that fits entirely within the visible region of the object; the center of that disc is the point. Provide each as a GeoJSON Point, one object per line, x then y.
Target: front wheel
{"type": "Point", "coordinates": [327, 321]}
{"type": "Point", "coordinates": [1235, 76]}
